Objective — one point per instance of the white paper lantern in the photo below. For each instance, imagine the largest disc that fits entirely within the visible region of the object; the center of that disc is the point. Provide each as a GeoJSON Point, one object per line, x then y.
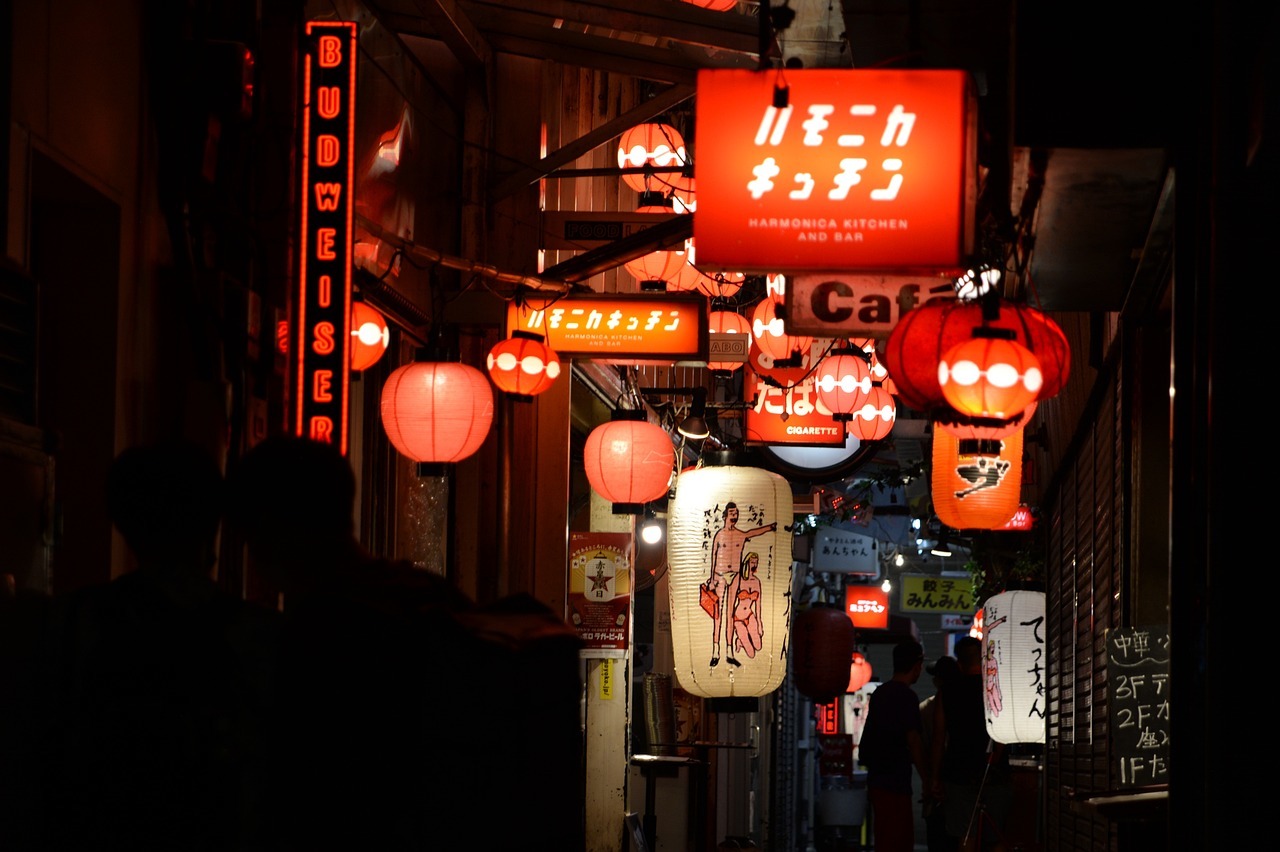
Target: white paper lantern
{"type": "Point", "coordinates": [1013, 666]}
{"type": "Point", "coordinates": [728, 539]}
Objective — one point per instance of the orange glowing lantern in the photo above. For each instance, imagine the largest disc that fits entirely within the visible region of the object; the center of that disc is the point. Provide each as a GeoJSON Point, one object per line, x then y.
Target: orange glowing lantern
{"type": "Point", "coordinates": [981, 428]}
{"type": "Point", "coordinates": [727, 322]}
{"type": "Point", "coordinates": [629, 461]}
{"type": "Point", "coordinates": [437, 412]}
{"type": "Point", "coordinates": [976, 484]}
{"type": "Point", "coordinates": [844, 382]}
{"type": "Point", "coordinates": [822, 642]}
{"type": "Point", "coordinates": [859, 672]}
{"type": "Point", "coordinates": [523, 366]}
{"type": "Point", "coordinates": [369, 336]}
{"type": "Point", "coordinates": [714, 5]}
{"type": "Point", "coordinates": [770, 334]}
{"type": "Point", "coordinates": [655, 269]}
{"type": "Point", "coordinates": [990, 375]}
{"type": "Point", "coordinates": [655, 146]}
{"type": "Point", "coordinates": [875, 418]}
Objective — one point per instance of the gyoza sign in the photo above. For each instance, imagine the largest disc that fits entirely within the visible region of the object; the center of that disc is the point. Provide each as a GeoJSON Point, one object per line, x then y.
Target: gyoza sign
{"type": "Point", "coordinates": [871, 170]}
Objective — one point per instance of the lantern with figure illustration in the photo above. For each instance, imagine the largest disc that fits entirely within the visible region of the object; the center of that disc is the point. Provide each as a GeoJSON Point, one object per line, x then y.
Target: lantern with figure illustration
{"type": "Point", "coordinates": [1014, 655]}
{"type": "Point", "coordinates": [976, 484]}
{"type": "Point", "coordinates": [729, 569]}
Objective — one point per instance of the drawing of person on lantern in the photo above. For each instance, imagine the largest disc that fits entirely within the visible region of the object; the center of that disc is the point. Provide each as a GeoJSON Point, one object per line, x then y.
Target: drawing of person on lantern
{"type": "Point", "coordinates": [726, 559]}
{"type": "Point", "coordinates": [991, 678]}
{"type": "Point", "coordinates": [748, 631]}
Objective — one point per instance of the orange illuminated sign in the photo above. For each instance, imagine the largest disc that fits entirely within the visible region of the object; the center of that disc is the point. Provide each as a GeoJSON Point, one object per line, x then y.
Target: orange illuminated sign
{"type": "Point", "coordinates": [867, 606]}
{"type": "Point", "coordinates": [321, 349]}
{"type": "Point", "coordinates": [786, 409]}
{"type": "Point", "coordinates": [639, 327]}
{"type": "Point", "coordinates": [847, 169]}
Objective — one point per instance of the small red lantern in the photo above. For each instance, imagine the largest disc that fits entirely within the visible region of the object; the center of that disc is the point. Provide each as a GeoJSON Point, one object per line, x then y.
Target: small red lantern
{"type": "Point", "coordinates": [629, 461]}
{"type": "Point", "coordinates": [437, 412]}
{"type": "Point", "coordinates": [655, 269]}
{"type": "Point", "coordinates": [523, 366]}
{"type": "Point", "coordinates": [844, 382]}
{"type": "Point", "coordinates": [859, 672]}
{"type": "Point", "coordinates": [727, 322]}
{"type": "Point", "coordinates": [875, 418]}
{"type": "Point", "coordinates": [822, 642]}
{"type": "Point", "coordinates": [990, 375]}
{"type": "Point", "coordinates": [771, 336]}
{"type": "Point", "coordinates": [654, 144]}
{"type": "Point", "coordinates": [369, 336]}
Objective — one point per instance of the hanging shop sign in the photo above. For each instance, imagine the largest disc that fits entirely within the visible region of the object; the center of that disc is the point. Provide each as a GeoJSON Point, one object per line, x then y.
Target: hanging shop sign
{"type": "Point", "coordinates": [852, 169]}
{"type": "Point", "coordinates": [867, 606]}
{"type": "Point", "coordinates": [786, 408]}
{"type": "Point", "coordinates": [930, 593]}
{"type": "Point", "coordinates": [322, 330]}
{"type": "Point", "coordinates": [841, 551]}
{"type": "Point", "coordinates": [839, 305]}
{"type": "Point", "coordinates": [640, 327]}
{"type": "Point", "coordinates": [600, 591]}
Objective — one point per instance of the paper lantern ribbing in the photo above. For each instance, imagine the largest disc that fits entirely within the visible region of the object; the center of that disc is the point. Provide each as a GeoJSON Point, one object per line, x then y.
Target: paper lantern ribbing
{"type": "Point", "coordinates": [523, 366]}
{"type": "Point", "coordinates": [370, 336]}
{"type": "Point", "coordinates": [844, 382]}
{"type": "Point", "coordinates": [437, 412]}
{"type": "Point", "coordinates": [729, 570]}
{"type": "Point", "coordinates": [980, 428]}
{"type": "Point", "coordinates": [653, 271]}
{"type": "Point", "coordinates": [976, 484]}
{"type": "Point", "coordinates": [629, 461]}
{"type": "Point", "coordinates": [859, 673]}
{"type": "Point", "coordinates": [989, 376]}
{"type": "Point", "coordinates": [656, 145]}
{"type": "Point", "coordinates": [1013, 666]}
{"type": "Point", "coordinates": [727, 322]}
{"type": "Point", "coordinates": [875, 419]}
{"type": "Point", "coordinates": [822, 643]}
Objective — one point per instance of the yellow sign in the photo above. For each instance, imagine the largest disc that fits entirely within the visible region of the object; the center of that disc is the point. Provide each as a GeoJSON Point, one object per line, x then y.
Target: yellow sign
{"type": "Point", "coordinates": [929, 593]}
{"type": "Point", "coordinates": [606, 680]}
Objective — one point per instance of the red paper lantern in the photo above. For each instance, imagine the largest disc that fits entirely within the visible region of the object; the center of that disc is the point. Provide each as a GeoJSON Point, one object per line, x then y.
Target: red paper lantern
{"type": "Point", "coordinates": [437, 412]}
{"type": "Point", "coordinates": [727, 322]}
{"type": "Point", "coordinates": [976, 484]}
{"type": "Point", "coordinates": [822, 643]}
{"type": "Point", "coordinates": [947, 419]}
{"type": "Point", "coordinates": [369, 336]}
{"type": "Point", "coordinates": [654, 270]}
{"type": "Point", "coordinates": [714, 5]}
{"type": "Point", "coordinates": [772, 338]}
{"type": "Point", "coordinates": [523, 366]}
{"type": "Point", "coordinates": [874, 419]}
{"type": "Point", "coordinates": [844, 382]}
{"type": "Point", "coordinates": [924, 334]}
{"type": "Point", "coordinates": [653, 144]}
{"type": "Point", "coordinates": [859, 673]}
{"type": "Point", "coordinates": [629, 461]}
{"type": "Point", "coordinates": [989, 375]}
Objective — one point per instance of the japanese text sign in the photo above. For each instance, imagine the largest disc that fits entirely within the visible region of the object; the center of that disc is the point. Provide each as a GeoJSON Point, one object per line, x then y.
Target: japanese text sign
{"type": "Point", "coordinates": [641, 327]}
{"type": "Point", "coordinates": [840, 551]}
{"type": "Point", "coordinates": [1138, 687]}
{"type": "Point", "coordinates": [867, 606]}
{"type": "Point", "coordinates": [858, 170]}
{"type": "Point", "coordinates": [930, 593]}
{"type": "Point", "coordinates": [786, 410]}
{"type": "Point", "coordinates": [600, 591]}
{"type": "Point", "coordinates": [322, 330]}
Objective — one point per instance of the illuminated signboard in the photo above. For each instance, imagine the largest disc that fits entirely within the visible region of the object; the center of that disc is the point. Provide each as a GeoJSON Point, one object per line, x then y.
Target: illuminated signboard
{"type": "Point", "coordinates": [928, 593]}
{"type": "Point", "coordinates": [787, 410]}
{"type": "Point", "coordinates": [640, 327]}
{"type": "Point", "coordinates": [867, 606]}
{"type": "Point", "coordinates": [870, 170]}
{"type": "Point", "coordinates": [323, 305]}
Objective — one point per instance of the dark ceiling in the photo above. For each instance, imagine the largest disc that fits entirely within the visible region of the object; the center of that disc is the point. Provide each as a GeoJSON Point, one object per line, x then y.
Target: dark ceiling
{"type": "Point", "coordinates": [1074, 108]}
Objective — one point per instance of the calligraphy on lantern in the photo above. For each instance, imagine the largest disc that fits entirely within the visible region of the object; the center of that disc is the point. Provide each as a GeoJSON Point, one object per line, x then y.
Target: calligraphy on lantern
{"type": "Point", "coordinates": [1138, 682]}
{"type": "Point", "coordinates": [324, 279]}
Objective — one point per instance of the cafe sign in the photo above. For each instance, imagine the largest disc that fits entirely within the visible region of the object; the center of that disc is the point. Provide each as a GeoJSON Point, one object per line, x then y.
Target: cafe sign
{"type": "Point", "coordinates": [640, 327]}
{"type": "Point", "coordinates": [821, 169]}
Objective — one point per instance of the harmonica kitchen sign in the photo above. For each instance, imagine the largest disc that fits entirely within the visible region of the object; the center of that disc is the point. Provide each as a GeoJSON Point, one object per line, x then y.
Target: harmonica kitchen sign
{"type": "Point", "coordinates": [850, 169]}
{"type": "Point", "coordinates": [669, 327]}
{"type": "Point", "coordinates": [322, 326]}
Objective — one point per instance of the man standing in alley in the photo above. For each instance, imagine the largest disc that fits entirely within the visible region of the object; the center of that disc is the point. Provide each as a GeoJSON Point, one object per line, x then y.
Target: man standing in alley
{"type": "Point", "coordinates": [891, 745]}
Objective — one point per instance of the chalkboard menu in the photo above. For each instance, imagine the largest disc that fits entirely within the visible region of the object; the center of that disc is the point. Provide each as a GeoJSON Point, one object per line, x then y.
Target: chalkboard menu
{"type": "Point", "coordinates": [1138, 691]}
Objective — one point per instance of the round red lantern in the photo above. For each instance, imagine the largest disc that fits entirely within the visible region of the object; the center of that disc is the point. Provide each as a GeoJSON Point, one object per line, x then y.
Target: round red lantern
{"type": "Point", "coordinates": [437, 412]}
{"type": "Point", "coordinates": [655, 269]}
{"type": "Point", "coordinates": [771, 336]}
{"type": "Point", "coordinates": [629, 461]}
{"type": "Point", "coordinates": [990, 375]}
{"type": "Point", "coordinates": [859, 672]}
{"type": "Point", "coordinates": [656, 145]}
{"type": "Point", "coordinates": [523, 366]}
{"type": "Point", "coordinates": [947, 419]}
{"type": "Point", "coordinates": [822, 643]}
{"type": "Point", "coordinates": [369, 336]}
{"type": "Point", "coordinates": [843, 382]}
{"type": "Point", "coordinates": [874, 419]}
{"type": "Point", "coordinates": [727, 322]}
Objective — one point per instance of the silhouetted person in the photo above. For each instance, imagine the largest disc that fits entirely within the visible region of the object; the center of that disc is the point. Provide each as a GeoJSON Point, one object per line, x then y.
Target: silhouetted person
{"type": "Point", "coordinates": [966, 763]}
{"type": "Point", "coordinates": [890, 746]}
{"type": "Point", "coordinates": [410, 718]}
{"type": "Point", "coordinates": [160, 681]}
{"type": "Point", "coordinates": [942, 671]}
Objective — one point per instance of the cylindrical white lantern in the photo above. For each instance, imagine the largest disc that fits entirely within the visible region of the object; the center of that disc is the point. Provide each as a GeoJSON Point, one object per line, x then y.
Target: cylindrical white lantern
{"type": "Point", "coordinates": [729, 569]}
{"type": "Point", "coordinates": [1013, 666]}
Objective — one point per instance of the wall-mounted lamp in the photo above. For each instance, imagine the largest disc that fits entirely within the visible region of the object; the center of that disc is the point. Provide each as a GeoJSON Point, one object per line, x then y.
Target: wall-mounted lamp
{"type": "Point", "coordinates": [694, 427]}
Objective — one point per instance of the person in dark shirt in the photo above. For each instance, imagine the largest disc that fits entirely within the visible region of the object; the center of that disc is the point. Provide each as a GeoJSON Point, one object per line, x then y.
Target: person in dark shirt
{"type": "Point", "coordinates": [890, 746]}
{"type": "Point", "coordinates": [968, 768]}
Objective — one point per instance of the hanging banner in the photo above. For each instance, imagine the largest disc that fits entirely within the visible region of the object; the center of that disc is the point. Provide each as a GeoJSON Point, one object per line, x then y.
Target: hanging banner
{"type": "Point", "coordinates": [851, 169]}
{"type": "Point", "coordinates": [600, 591]}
